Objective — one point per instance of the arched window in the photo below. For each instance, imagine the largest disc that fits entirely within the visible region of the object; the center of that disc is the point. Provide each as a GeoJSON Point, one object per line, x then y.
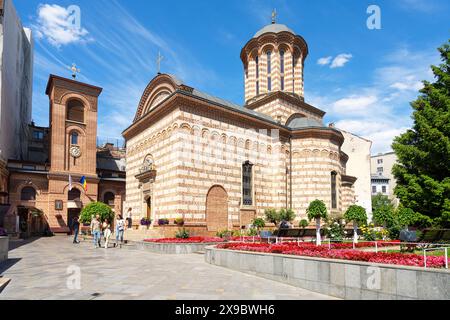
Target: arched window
{"type": "Point", "coordinates": [28, 194]}
{"type": "Point", "coordinates": [293, 73]}
{"type": "Point", "coordinates": [269, 71]}
{"type": "Point", "coordinates": [257, 67]}
{"type": "Point", "coordinates": [257, 88]}
{"type": "Point", "coordinates": [333, 190]}
{"type": "Point", "coordinates": [247, 182]}
{"type": "Point", "coordinates": [74, 195]}
{"type": "Point", "coordinates": [74, 138]}
{"type": "Point", "coordinates": [75, 111]}
{"type": "Point", "coordinates": [282, 69]}
{"type": "Point", "coordinates": [108, 198]}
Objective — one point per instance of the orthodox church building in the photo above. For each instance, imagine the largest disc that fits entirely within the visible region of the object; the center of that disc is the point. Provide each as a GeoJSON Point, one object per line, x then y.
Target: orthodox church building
{"type": "Point", "coordinates": [219, 165]}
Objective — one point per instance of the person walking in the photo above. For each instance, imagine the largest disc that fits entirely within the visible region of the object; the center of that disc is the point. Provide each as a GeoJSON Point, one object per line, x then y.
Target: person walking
{"type": "Point", "coordinates": [129, 218]}
{"type": "Point", "coordinates": [120, 228]}
{"type": "Point", "coordinates": [76, 229]}
{"type": "Point", "coordinates": [96, 230]}
{"type": "Point", "coordinates": [106, 232]}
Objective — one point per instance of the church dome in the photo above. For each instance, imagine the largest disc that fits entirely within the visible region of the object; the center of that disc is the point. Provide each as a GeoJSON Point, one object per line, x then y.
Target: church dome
{"type": "Point", "coordinates": [273, 28]}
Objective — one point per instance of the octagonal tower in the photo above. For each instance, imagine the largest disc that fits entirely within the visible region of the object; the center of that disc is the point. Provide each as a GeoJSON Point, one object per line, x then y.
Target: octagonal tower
{"type": "Point", "coordinates": [273, 61]}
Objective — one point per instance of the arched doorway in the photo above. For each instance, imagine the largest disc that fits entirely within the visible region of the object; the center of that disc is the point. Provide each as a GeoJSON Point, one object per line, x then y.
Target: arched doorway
{"type": "Point", "coordinates": [108, 198]}
{"type": "Point", "coordinates": [217, 209]}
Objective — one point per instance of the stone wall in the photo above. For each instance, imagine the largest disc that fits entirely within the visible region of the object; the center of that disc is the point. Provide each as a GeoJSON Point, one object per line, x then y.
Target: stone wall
{"type": "Point", "coordinates": [4, 247]}
{"type": "Point", "coordinates": [343, 279]}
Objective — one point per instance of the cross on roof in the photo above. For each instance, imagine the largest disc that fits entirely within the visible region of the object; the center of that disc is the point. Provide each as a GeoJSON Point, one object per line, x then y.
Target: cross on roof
{"type": "Point", "coordinates": [74, 70]}
{"type": "Point", "coordinates": [158, 61]}
{"type": "Point", "coordinates": [274, 16]}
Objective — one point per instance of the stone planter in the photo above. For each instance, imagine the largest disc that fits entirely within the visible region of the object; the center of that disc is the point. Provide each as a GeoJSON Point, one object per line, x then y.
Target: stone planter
{"type": "Point", "coordinates": [351, 280]}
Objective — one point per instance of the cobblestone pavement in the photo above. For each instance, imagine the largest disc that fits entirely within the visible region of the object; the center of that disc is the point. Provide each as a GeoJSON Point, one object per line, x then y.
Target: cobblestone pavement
{"type": "Point", "coordinates": [39, 270]}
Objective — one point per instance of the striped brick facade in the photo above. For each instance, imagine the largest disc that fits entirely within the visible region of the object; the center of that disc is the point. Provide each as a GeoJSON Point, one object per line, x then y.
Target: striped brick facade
{"type": "Point", "coordinates": [197, 146]}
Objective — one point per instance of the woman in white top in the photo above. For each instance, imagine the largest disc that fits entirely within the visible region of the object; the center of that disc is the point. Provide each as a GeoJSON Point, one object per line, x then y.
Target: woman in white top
{"type": "Point", "coordinates": [106, 232]}
{"type": "Point", "coordinates": [120, 227]}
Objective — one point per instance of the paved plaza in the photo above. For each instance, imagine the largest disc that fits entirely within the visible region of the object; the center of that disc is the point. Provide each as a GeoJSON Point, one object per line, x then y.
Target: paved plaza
{"type": "Point", "coordinates": [39, 270]}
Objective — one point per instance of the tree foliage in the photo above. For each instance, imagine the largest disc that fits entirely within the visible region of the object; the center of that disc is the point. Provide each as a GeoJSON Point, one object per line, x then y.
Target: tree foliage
{"type": "Point", "coordinates": [94, 208]}
{"type": "Point", "coordinates": [423, 169]}
{"type": "Point", "coordinates": [272, 216]}
{"type": "Point", "coordinates": [286, 215]}
{"type": "Point", "coordinates": [276, 217]}
{"type": "Point", "coordinates": [357, 214]}
{"type": "Point", "coordinates": [259, 223]}
{"type": "Point", "coordinates": [317, 209]}
{"type": "Point", "coordinates": [383, 210]}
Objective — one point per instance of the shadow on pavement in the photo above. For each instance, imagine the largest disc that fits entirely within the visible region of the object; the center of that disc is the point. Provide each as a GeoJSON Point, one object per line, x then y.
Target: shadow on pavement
{"type": "Point", "coordinates": [5, 265]}
{"type": "Point", "coordinates": [14, 244]}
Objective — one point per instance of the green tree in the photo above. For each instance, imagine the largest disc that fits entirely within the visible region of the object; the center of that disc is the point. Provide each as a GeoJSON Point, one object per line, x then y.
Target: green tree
{"type": "Point", "coordinates": [94, 208]}
{"type": "Point", "coordinates": [423, 169]}
{"type": "Point", "coordinates": [272, 216]}
{"type": "Point", "coordinates": [316, 211]}
{"type": "Point", "coordinates": [405, 217]}
{"type": "Point", "coordinates": [383, 210]}
{"type": "Point", "coordinates": [358, 215]}
{"type": "Point", "coordinates": [259, 223]}
{"type": "Point", "coordinates": [286, 215]}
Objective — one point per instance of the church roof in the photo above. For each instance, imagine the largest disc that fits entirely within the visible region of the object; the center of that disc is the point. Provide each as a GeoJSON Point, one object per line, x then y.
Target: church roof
{"type": "Point", "coordinates": [231, 105]}
{"type": "Point", "coordinates": [298, 123]}
{"type": "Point", "coordinates": [274, 28]}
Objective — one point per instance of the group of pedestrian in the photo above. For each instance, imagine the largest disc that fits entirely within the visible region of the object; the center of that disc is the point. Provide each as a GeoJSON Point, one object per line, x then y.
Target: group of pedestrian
{"type": "Point", "coordinates": [101, 229]}
{"type": "Point", "coordinates": [98, 229]}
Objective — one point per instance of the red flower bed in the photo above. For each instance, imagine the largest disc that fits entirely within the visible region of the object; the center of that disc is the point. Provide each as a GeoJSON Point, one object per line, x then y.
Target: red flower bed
{"type": "Point", "coordinates": [311, 250]}
{"type": "Point", "coordinates": [188, 240]}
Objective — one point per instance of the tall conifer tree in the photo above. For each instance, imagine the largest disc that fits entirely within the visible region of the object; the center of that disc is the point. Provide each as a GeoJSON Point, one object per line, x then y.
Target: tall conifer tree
{"type": "Point", "coordinates": [423, 169]}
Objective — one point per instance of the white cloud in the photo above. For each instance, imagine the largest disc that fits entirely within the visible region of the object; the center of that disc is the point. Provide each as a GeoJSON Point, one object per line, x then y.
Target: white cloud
{"type": "Point", "coordinates": [341, 60]}
{"type": "Point", "coordinates": [324, 61]}
{"type": "Point", "coordinates": [381, 133]}
{"type": "Point", "coordinates": [54, 23]}
{"type": "Point", "coordinates": [354, 103]}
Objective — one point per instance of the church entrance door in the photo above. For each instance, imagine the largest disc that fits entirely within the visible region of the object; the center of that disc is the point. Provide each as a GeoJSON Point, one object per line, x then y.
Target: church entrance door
{"type": "Point", "coordinates": [217, 209]}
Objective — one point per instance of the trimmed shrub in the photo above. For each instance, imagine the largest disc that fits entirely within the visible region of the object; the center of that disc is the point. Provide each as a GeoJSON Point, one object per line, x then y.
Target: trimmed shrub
{"type": "Point", "coordinates": [94, 208]}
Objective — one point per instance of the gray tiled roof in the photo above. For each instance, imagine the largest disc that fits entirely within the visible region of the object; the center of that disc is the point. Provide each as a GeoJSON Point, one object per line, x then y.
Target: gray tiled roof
{"type": "Point", "coordinates": [275, 28]}
{"type": "Point", "coordinates": [298, 123]}
{"type": "Point", "coordinates": [231, 105]}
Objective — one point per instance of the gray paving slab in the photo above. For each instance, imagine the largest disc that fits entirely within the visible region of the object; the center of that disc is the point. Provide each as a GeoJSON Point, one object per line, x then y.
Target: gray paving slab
{"type": "Point", "coordinates": [42, 269]}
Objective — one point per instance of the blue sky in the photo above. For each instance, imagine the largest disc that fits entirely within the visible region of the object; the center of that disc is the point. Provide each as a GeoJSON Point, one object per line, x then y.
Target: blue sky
{"type": "Point", "coordinates": [363, 78]}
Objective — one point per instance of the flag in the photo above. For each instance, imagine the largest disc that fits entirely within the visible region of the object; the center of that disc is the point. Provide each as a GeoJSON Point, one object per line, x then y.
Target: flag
{"type": "Point", "coordinates": [83, 183]}
{"type": "Point", "coordinates": [70, 182]}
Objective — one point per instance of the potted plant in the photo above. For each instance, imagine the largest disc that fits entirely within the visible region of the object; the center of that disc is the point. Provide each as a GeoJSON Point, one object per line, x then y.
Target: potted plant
{"type": "Point", "coordinates": [179, 222]}
{"type": "Point", "coordinates": [303, 224]}
{"type": "Point", "coordinates": [358, 215]}
{"type": "Point", "coordinates": [182, 234]}
{"type": "Point", "coordinates": [146, 222]}
{"type": "Point", "coordinates": [316, 211]}
{"type": "Point", "coordinates": [163, 221]}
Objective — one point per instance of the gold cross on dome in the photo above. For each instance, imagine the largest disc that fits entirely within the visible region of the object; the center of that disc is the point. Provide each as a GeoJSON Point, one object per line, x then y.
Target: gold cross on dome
{"type": "Point", "coordinates": [274, 16]}
{"type": "Point", "coordinates": [74, 70]}
{"type": "Point", "coordinates": [158, 61]}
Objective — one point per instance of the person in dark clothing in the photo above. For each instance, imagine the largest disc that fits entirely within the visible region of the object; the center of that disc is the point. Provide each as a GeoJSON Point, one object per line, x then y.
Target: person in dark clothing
{"type": "Point", "coordinates": [76, 229]}
{"type": "Point", "coordinates": [284, 225]}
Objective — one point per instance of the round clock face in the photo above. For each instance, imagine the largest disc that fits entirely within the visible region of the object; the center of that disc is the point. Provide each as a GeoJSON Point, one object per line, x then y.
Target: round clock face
{"type": "Point", "coordinates": [75, 151]}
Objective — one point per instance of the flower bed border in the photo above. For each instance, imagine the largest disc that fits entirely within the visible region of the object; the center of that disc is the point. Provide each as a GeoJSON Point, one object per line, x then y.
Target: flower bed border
{"type": "Point", "coordinates": [340, 278]}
